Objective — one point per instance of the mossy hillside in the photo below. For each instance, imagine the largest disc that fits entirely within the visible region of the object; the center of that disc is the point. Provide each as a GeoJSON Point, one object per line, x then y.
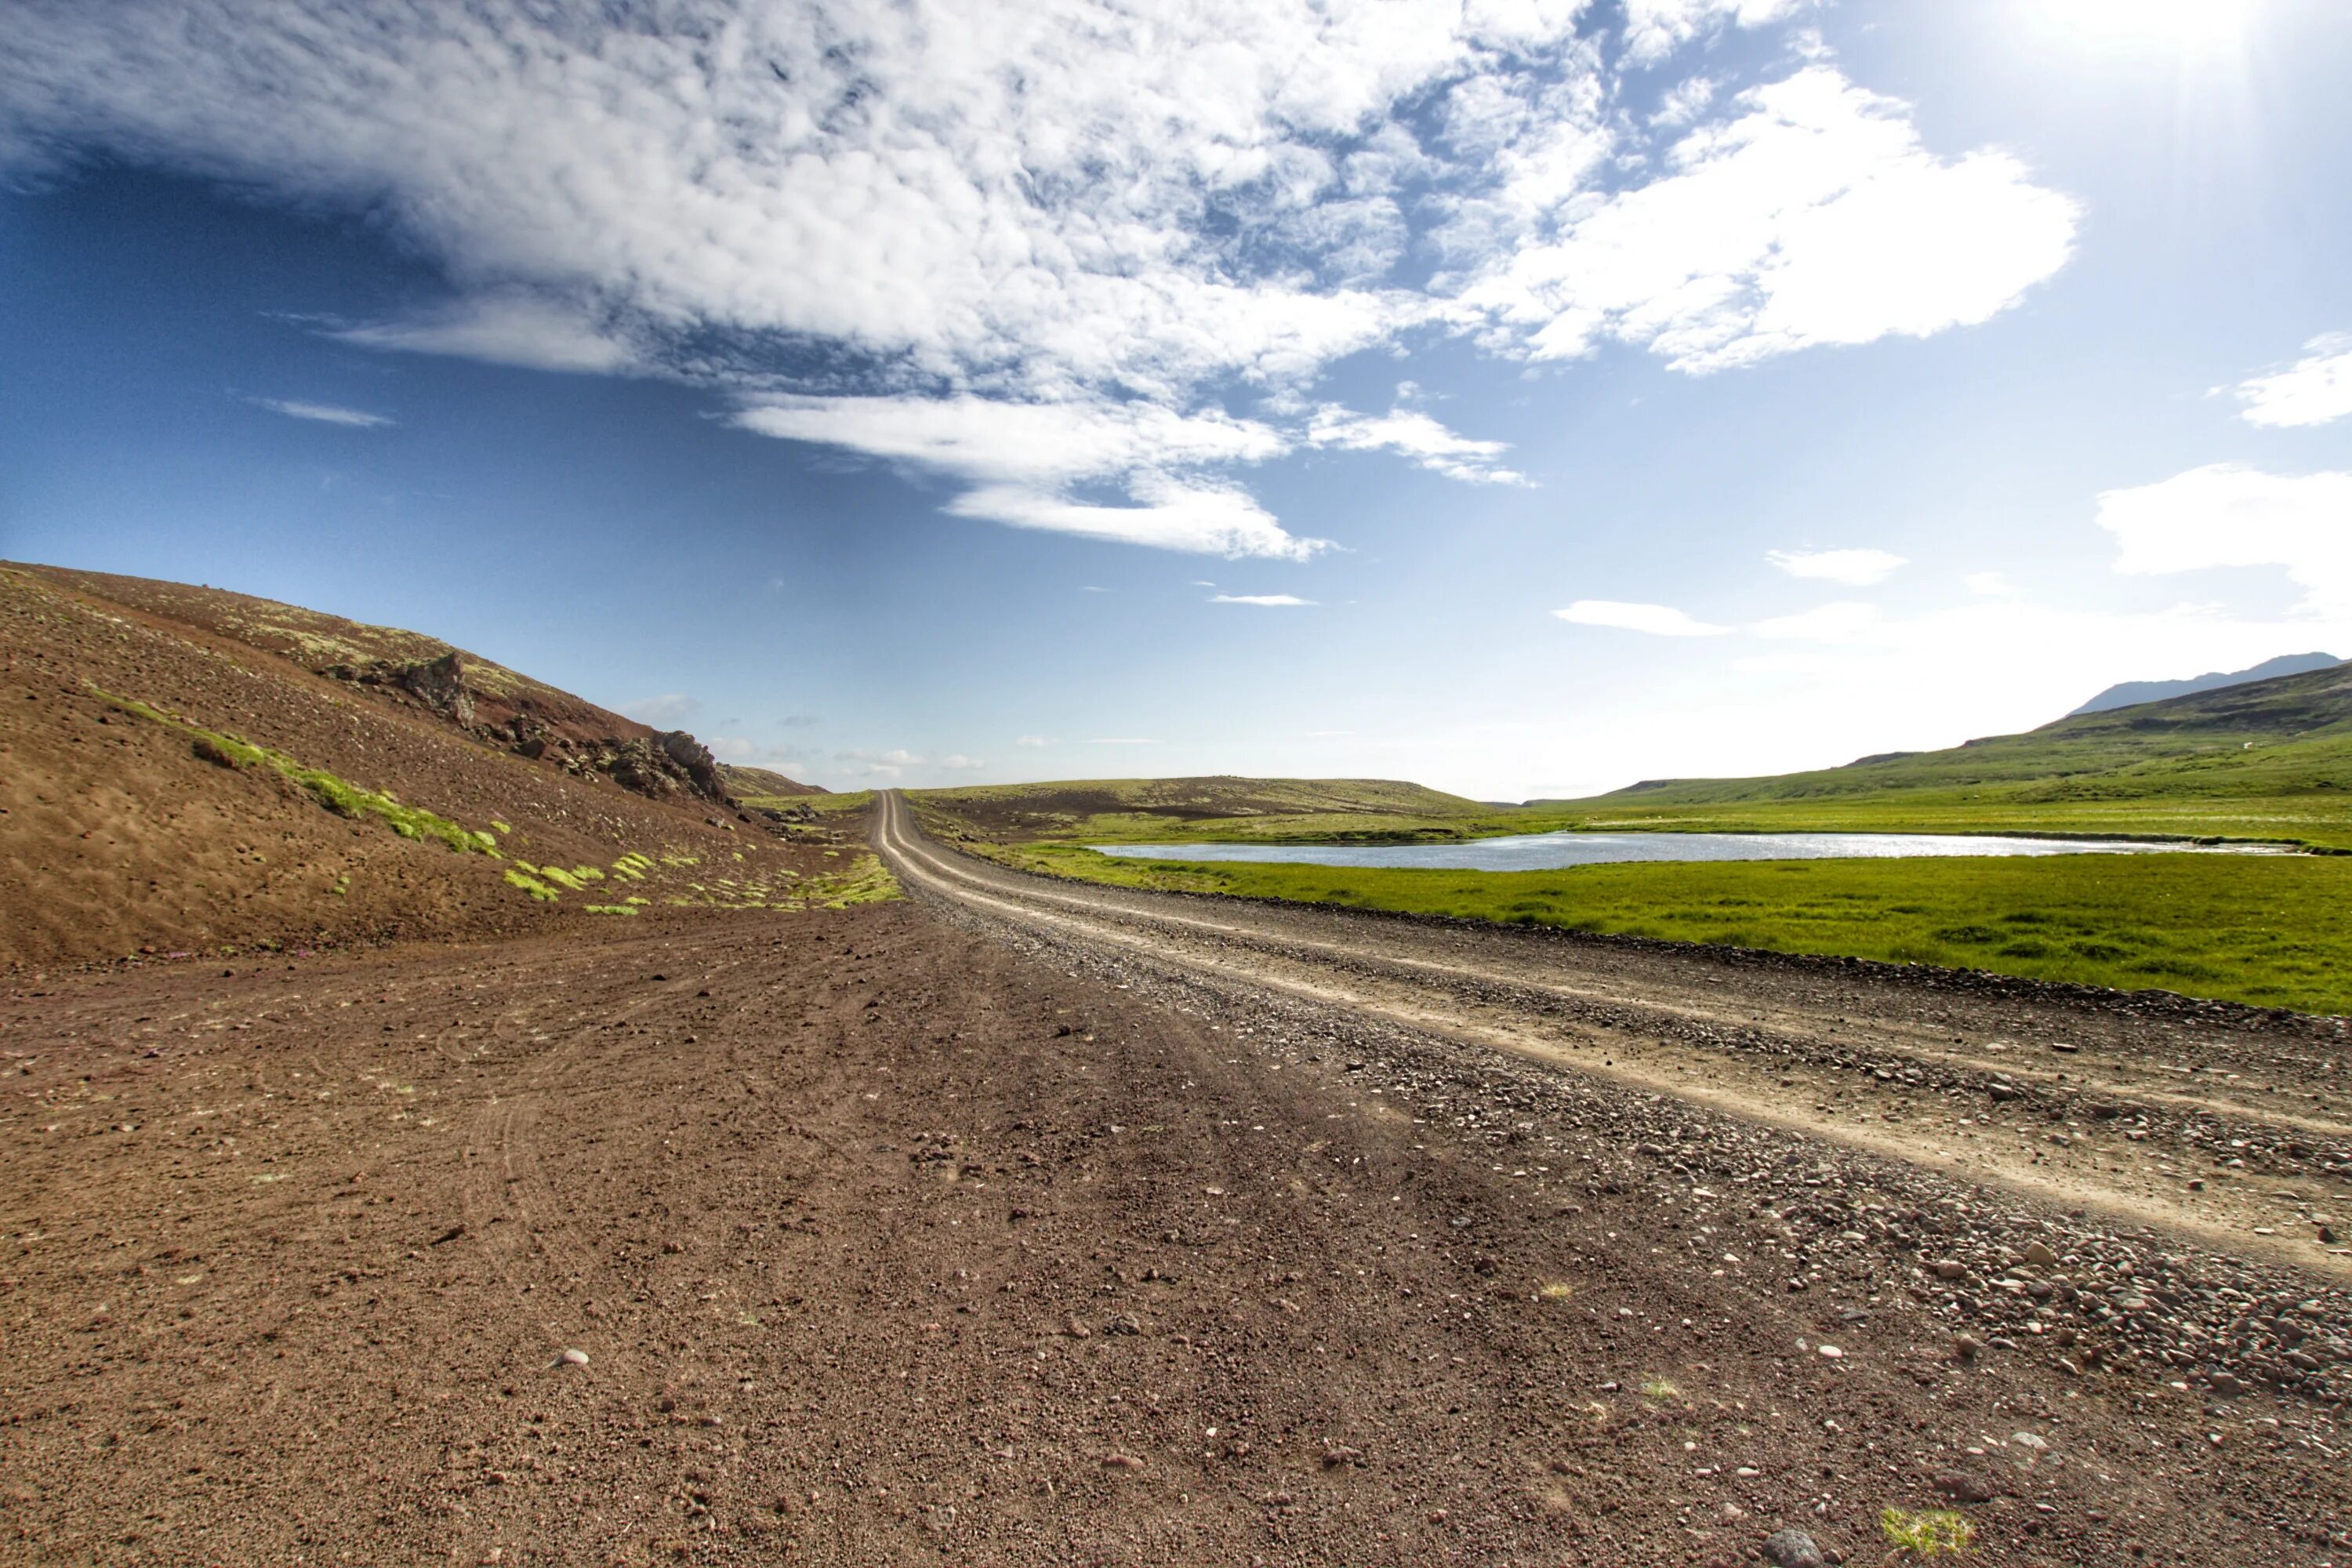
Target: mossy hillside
{"type": "Point", "coordinates": [335, 793]}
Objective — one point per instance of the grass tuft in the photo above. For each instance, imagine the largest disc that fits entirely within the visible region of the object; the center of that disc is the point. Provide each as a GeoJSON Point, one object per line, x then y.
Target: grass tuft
{"type": "Point", "coordinates": [1927, 1535]}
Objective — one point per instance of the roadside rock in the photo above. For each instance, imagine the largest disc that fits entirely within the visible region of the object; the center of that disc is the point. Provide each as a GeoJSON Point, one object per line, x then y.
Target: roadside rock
{"type": "Point", "coordinates": [1793, 1549]}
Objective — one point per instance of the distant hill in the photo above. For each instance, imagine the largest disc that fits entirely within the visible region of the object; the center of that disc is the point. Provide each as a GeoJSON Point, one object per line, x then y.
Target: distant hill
{"type": "Point", "coordinates": [1222, 806]}
{"type": "Point", "coordinates": [752, 786]}
{"type": "Point", "coordinates": [2286, 735]}
{"type": "Point", "coordinates": [190, 772]}
{"type": "Point", "coordinates": [2131, 693]}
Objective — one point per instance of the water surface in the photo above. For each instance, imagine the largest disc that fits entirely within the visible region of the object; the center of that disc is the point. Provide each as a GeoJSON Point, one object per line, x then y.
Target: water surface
{"type": "Point", "coordinates": [1547, 851]}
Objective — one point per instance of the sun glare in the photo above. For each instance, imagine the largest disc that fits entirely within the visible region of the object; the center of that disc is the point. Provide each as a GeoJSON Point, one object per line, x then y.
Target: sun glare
{"type": "Point", "coordinates": [2187, 26]}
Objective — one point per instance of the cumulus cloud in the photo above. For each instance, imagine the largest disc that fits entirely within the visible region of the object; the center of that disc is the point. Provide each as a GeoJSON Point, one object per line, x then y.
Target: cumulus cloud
{"type": "Point", "coordinates": [322, 412]}
{"type": "Point", "coordinates": [1812, 217]}
{"type": "Point", "coordinates": [2227, 514]}
{"type": "Point", "coordinates": [1414, 436]}
{"type": "Point", "coordinates": [1856, 568]}
{"type": "Point", "coordinates": [965, 237]}
{"type": "Point", "coordinates": [1657, 620]}
{"type": "Point", "coordinates": [1264, 601]}
{"type": "Point", "coordinates": [2313, 390]}
{"type": "Point", "coordinates": [670, 710]}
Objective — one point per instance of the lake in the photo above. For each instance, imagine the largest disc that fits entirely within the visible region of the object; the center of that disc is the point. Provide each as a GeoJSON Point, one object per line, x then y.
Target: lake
{"type": "Point", "coordinates": [1545, 851]}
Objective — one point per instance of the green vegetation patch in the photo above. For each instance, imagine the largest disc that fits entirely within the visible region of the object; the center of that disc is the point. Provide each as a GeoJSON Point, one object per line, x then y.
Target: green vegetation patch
{"type": "Point", "coordinates": [337, 794]}
{"type": "Point", "coordinates": [2265, 930]}
{"type": "Point", "coordinates": [1928, 1534]}
{"type": "Point", "coordinates": [628, 909]}
{"type": "Point", "coordinates": [519, 878]}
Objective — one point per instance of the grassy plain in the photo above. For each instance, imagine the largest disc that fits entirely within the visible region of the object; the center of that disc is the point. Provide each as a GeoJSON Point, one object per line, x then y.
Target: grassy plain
{"type": "Point", "coordinates": [2270, 930]}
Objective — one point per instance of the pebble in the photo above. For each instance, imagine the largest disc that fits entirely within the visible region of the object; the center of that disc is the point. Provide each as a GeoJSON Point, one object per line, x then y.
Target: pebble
{"type": "Point", "coordinates": [572, 1358]}
{"type": "Point", "coordinates": [2039, 1255]}
{"type": "Point", "coordinates": [1962, 1487]}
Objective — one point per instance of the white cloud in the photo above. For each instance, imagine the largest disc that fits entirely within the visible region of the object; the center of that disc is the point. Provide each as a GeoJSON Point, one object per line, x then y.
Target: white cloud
{"type": "Point", "coordinates": [1265, 601]}
{"type": "Point", "coordinates": [1212, 519]}
{"type": "Point", "coordinates": [513, 329]}
{"type": "Point", "coordinates": [1855, 568]}
{"type": "Point", "coordinates": [896, 762]}
{"type": "Point", "coordinates": [2313, 390]}
{"type": "Point", "coordinates": [1658, 620]}
{"type": "Point", "coordinates": [322, 412]}
{"type": "Point", "coordinates": [1032, 740]}
{"type": "Point", "coordinates": [1990, 584]}
{"type": "Point", "coordinates": [1121, 741]}
{"type": "Point", "coordinates": [1020, 459]}
{"type": "Point", "coordinates": [1103, 220]}
{"type": "Point", "coordinates": [670, 710]}
{"type": "Point", "coordinates": [1814, 217]}
{"type": "Point", "coordinates": [2226, 514]}
{"type": "Point", "coordinates": [1416, 435]}
{"type": "Point", "coordinates": [1656, 29]}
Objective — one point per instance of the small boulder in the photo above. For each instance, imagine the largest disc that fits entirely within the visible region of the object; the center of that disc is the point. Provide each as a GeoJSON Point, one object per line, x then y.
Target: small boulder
{"type": "Point", "coordinates": [1792, 1549]}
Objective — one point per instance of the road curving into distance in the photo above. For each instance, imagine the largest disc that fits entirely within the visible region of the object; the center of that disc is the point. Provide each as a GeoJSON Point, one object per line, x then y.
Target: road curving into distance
{"type": "Point", "coordinates": [2222, 1125]}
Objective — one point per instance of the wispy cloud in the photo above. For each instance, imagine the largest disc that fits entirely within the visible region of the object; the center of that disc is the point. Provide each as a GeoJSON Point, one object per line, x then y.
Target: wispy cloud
{"type": "Point", "coordinates": [322, 412]}
{"type": "Point", "coordinates": [1657, 620]}
{"type": "Point", "coordinates": [1032, 740]}
{"type": "Point", "coordinates": [1044, 255]}
{"type": "Point", "coordinates": [1264, 601]}
{"type": "Point", "coordinates": [1416, 435]}
{"type": "Point", "coordinates": [897, 762]}
{"type": "Point", "coordinates": [1855, 568]}
{"type": "Point", "coordinates": [535, 332]}
{"type": "Point", "coordinates": [2313, 390]}
{"type": "Point", "coordinates": [1121, 741]}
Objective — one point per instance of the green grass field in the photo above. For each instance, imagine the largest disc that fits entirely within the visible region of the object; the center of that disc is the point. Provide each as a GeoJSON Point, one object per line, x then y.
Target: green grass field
{"type": "Point", "coordinates": [2271, 931]}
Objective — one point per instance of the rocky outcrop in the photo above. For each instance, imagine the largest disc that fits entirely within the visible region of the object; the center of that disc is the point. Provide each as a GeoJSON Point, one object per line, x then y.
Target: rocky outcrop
{"type": "Point", "coordinates": [662, 767]}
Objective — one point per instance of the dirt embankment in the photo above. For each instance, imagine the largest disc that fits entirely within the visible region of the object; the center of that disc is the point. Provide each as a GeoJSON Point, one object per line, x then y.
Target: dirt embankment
{"type": "Point", "coordinates": [168, 791]}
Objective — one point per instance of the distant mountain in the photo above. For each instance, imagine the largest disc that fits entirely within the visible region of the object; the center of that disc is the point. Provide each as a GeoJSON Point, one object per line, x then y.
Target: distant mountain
{"type": "Point", "coordinates": [2131, 693]}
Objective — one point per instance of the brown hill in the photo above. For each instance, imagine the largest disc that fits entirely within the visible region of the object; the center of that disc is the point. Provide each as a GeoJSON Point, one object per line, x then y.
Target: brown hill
{"type": "Point", "coordinates": [184, 770]}
{"type": "Point", "coordinates": [762, 784]}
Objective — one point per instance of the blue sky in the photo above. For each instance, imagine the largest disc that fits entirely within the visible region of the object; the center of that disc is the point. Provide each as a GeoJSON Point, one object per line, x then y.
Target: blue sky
{"type": "Point", "coordinates": [1523, 397]}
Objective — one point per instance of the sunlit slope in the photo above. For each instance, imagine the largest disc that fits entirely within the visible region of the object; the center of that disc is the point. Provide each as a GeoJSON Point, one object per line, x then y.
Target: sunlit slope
{"type": "Point", "coordinates": [2269, 759]}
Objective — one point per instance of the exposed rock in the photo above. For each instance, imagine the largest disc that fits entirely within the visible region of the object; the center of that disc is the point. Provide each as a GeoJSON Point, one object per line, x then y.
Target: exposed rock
{"type": "Point", "coordinates": [1792, 1549]}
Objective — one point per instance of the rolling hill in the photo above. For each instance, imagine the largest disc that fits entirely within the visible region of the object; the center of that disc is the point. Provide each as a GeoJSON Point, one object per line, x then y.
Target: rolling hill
{"type": "Point", "coordinates": [1218, 807]}
{"type": "Point", "coordinates": [763, 786]}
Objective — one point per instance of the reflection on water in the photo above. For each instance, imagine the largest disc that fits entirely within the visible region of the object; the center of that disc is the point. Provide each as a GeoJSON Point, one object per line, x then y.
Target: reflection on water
{"type": "Point", "coordinates": [1545, 851]}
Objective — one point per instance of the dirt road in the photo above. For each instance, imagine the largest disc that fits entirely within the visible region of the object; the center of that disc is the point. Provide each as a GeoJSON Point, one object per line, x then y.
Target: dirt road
{"type": "Point", "coordinates": [935, 1231]}
{"type": "Point", "coordinates": [2216, 1123]}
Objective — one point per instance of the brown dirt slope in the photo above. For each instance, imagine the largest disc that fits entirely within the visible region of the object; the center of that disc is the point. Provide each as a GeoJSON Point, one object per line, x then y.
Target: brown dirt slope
{"type": "Point", "coordinates": [173, 781]}
{"type": "Point", "coordinates": [764, 784]}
